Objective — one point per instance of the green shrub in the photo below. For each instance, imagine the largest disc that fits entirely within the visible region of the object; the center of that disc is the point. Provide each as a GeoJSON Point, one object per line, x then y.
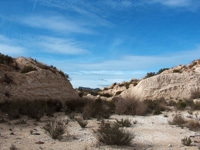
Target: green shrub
{"type": "Point", "coordinates": [150, 74]}
{"type": "Point", "coordinates": [161, 70]}
{"type": "Point", "coordinates": [118, 93]}
{"type": "Point", "coordinates": [181, 104]}
{"type": "Point", "coordinates": [5, 59]}
{"type": "Point", "coordinates": [55, 128]}
{"type": "Point", "coordinates": [177, 71]}
{"type": "Point", "coordinates": [27, 69]}
{"type": "Point", "coordinates": [130, 106]}
{"type": "Point", "coordinates": [106, 95]}
{"type": "Point", "coordinates": [111, 134]}
{"type": "Point", "coordinates": [186, 141]}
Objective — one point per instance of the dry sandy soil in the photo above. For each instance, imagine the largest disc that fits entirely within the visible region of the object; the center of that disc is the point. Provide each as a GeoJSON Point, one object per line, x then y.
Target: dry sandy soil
{"type": "Point", "coordinates": [151, 133]}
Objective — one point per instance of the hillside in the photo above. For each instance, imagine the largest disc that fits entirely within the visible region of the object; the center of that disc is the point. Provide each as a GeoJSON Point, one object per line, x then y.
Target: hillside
{"type": "Point", "coordinates": [29, 79]}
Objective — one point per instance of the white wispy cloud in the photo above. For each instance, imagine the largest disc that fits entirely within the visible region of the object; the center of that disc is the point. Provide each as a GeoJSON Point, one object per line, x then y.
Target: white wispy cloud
{"type": "Point", "coordinates": [56, 23]}
{"type": "Point", "coordinates": [179, 3]}
{"type": "Point", "coordinates": [61, 46]}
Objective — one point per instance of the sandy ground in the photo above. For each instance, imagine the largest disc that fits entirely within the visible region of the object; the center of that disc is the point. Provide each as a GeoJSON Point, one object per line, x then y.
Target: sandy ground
{"type": "Point", "coordinates": [151, 133]}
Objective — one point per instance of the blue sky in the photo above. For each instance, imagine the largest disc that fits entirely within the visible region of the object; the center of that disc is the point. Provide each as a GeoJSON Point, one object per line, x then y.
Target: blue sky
{"type": "Point", "coordinates": [99, 42]}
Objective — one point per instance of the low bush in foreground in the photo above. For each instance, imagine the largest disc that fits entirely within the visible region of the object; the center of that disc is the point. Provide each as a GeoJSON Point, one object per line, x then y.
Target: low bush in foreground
{"type": "Point", "coordinates": [111, 134]}
{"type": "Point", "coordinates": [55, 128]}
{"type": "Point", "coordinates": [186, 141]}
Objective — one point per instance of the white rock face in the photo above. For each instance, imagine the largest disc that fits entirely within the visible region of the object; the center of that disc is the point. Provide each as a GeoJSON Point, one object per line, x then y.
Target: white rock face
{"type": "Point", "coordinates": [167, 84]}
{"type": "Point", "coordinates": [40, 84]}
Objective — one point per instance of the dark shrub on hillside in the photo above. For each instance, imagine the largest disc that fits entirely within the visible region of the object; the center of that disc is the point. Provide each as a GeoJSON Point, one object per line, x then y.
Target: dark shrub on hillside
{"type": "Point", "coordinates": [130, 106]}
{"type": "Point", "coordinates": [177, 71]}
{"type": "Point", "coordinates": [27, 69]}
{"type": "Point", "coordinates": [5, 59]}
{"type": "Point", "coordinates": [150, 74]}
{"type": "Point", "coordinates": [161, 70]}
{"type": "Point", "coordinates": [111, 134]}
{"type": "Point", "coordinates": [106, 95]}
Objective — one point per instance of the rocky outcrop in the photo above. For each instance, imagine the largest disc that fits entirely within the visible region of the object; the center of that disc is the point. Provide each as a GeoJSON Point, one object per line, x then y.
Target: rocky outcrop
{"type": "Point", "coordinates": [176, 83]}
{"type": "Point", "coordinates": [116, 89]}
{"type": "Point", "coordinates": [42, 82]}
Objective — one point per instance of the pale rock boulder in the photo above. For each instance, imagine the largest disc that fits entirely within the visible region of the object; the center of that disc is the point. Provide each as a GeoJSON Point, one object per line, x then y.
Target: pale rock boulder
{"type": "Point", "coordinates": [39, 84]}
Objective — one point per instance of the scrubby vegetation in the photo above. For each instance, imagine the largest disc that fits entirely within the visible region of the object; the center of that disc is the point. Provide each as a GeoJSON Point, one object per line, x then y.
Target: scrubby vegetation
{"type": "Point", "coordinates": [130, 106]}
{"type": "Point", "coordinates": [192, 124]}
{"type": "Point", "coordinates": [5, 59]}
{"type": "Point", "coordinates": [123, 123]}
{"type": "Point", "coordinates": [186, 141]}
{"type": "Point", "coordinates": [151, 74]}
{"type": "Point", "coordinates": [27, 69]}
{"type": "Point", "coordinates": [111, 134]}
{"type": "Point", "coordinates": [33, 109]}
{"type": "Point", "coordinates": [55, 128]}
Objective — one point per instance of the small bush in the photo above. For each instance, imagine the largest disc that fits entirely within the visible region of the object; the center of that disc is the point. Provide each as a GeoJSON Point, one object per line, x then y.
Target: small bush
{"type": "Point", "coordinates": [195, 94]}
{"type": "Point", "coordinates": [118, 93]}
{"type": "Point", "coordinates": [111, 134]}
{"type": "Point", "coordinates": [150, 74]}
{"type": "Point", "coordinates": [27, 69]}
{"type": "Point", "coordinates": [181, 104]}
{"type": "Point", "coordinates": [5, 59]}
{"type": "Point", "coordinates": [193, 125]}
{"type": "Point", "coordinates": [156, 106]}
{"type": "Point", "coordinates": [106, 95]}
{"type": "Point", "coordinates": [178, 120]}
{"type": "Point", "coordinates": [186, 141]}
{"type": "Point", "coordinates": [177, 71]}
{"type": "Point", "coordinates": [55, 128]}
{"type": "Point", "coordinates": [161, 70]}
{"type": "Point", "coordinates": [123, 123]}
{"type": "Point", "coordinates": [130, 106]}
{"type": "Point", "coordinates": [81, 122]}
